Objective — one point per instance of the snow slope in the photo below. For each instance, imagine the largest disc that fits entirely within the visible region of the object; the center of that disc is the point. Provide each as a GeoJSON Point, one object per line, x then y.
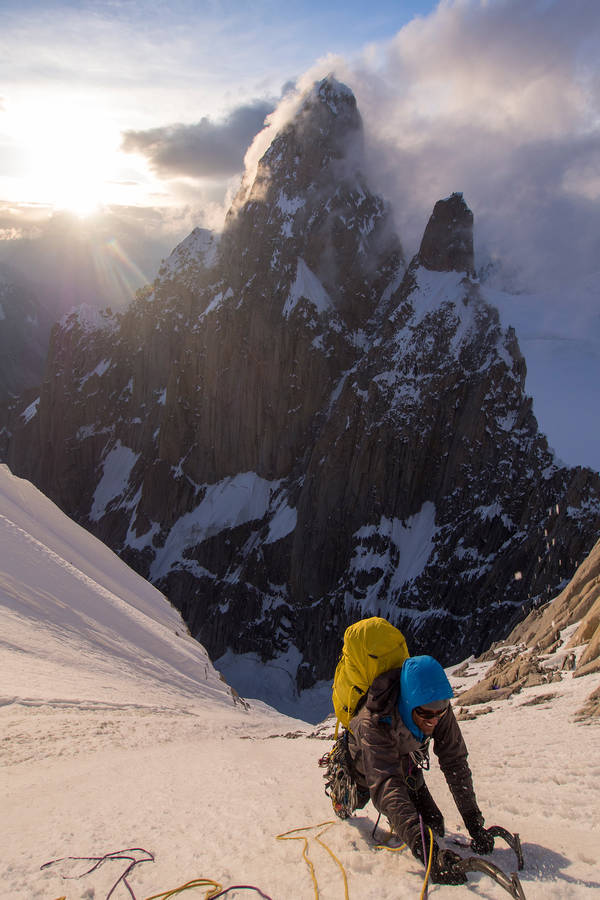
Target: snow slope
{"type": "Point", "coordinates": [116, 732]}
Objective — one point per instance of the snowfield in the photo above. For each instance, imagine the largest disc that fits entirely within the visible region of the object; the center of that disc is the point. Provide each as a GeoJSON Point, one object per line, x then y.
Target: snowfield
{"type": "Point", "coordinates": [117, 733]}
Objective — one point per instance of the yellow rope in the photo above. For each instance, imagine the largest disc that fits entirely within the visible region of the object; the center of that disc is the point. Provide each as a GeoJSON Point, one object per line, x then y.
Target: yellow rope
{"type": "Point", "coordinates": [424, 891]}
{"type": "Point", "coordinates": [403, 847]}
{"type": "Point", "coordinates": [384, 844]}
{"type": "Point", "coordinates": [332, 854]}
{"type": "Point", "coordinates": [214, 888]}
{"type": "Point", "coordinates": [294, 836]}
{"type": "Point", "coordinates": [391, 849]}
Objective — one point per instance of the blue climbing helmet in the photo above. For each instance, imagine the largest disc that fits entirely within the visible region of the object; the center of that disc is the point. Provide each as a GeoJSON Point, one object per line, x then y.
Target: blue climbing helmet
{"type": "Point", "coordinates": [423, 682]}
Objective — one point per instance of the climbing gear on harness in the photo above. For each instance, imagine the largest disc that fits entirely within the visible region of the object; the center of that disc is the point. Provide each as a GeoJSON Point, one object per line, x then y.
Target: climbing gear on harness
{"type": "Point", "coordinates": [294, 835]}
{"type": "Point", "coordinates": [420, 757]}
{"type": "Point", "coordinates": [340, 785]}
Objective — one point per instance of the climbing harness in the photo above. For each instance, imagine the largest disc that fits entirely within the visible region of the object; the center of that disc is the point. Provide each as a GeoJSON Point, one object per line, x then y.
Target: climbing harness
{"type": "Point", "coordinates": [294, 835]}
{"type": "Point", "coordinates": [340, 786]}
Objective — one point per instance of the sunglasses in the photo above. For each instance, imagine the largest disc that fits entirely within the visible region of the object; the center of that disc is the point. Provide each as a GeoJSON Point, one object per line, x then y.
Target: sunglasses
{"type": "Point", "coordinates": [429, 714]}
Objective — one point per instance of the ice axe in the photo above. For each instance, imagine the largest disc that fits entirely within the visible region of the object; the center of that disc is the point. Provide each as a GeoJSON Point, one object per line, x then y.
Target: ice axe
{"type": "Point", "coordinates": [513, 841]}
{"type": "Point", "coordinates": [510, 883]}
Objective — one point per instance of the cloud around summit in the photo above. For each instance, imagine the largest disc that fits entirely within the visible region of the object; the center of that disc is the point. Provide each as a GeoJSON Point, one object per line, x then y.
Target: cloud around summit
{"type": "Point", "coordinates": [207, 149]}
{"type": "Point", "coordinates": [499, 100]}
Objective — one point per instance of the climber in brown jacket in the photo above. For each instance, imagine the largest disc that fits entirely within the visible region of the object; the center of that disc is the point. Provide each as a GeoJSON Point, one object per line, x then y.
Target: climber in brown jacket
{"type": "Point", "coordinates": [405, 710]}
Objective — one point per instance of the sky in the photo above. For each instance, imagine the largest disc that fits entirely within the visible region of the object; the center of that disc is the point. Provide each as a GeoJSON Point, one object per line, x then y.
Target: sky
{"type": "Point", "coordinates": [117, 732]}
{"type": "Point", "coordinates": [152, 106]}
{"type": "Point", "coordinates": [126, 123]}
{"type": "Point", "coordinates": [156, 103]}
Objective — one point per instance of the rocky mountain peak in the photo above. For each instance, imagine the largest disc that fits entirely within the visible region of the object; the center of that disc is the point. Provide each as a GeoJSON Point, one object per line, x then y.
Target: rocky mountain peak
{"type": "Point", "coordinates": [325, 131]}
{"type": "Point", "coordinates": [447, 244]}
{"type": "Point", "coordinates": [309, 217]}
{"type": "Point", "coordinates": [288, 432]}
{"type": "Point", "coordinates": [331, 100]}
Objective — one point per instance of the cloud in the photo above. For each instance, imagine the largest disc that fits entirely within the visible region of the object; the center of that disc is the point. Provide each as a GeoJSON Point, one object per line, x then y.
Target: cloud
{"type": "Point", "coordinates": [500, 100]}
{"type": "Point", "coordinates": [207, 149]}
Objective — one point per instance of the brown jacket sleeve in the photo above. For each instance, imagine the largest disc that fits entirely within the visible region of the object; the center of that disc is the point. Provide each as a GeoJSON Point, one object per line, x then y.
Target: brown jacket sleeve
{"type": "Point", "coordinates": [451, 750]}
{"type": "Point", "coordinates": [384, 767]}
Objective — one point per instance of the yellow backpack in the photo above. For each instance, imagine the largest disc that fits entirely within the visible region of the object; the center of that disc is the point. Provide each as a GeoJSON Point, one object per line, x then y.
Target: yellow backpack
{"type": "Point", "coordinates": [371, 646]}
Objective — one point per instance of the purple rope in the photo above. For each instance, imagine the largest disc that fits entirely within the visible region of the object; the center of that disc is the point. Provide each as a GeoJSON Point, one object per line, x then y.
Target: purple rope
{"type": "Point", "coordinates": [133, 862]}
{"type": "Point", "coordinates": [98, 860]}
{"type": "Point", "coordinates": [240, 887]}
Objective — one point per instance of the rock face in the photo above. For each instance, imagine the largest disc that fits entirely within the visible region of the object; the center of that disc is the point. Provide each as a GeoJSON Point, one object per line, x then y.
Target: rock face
{"type": "Point", "coordinates": [447, 244]}
{"type": "Point", "coordinates": [558, 639]}
{"type": "Point", "coordinates": [290, 429]}
{"type": "Point", "coordinates": [577, 605]}
{"type": "Point", "coordinates": [24, 332]}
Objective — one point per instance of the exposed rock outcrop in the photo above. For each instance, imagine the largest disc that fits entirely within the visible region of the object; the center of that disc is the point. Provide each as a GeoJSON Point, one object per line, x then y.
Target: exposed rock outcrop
{"type": "Point", "coordinates": [447, 244]}
{"type": "Point", "coordinates": [555, 640]}
{"type": "Point", "coordinates": [577, 605]}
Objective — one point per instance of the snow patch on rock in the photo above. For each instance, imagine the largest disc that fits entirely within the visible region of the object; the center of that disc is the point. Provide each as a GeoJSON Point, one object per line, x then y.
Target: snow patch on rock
{"type": "Point", "coordinates": [306, 285]}
{"type": "Point", "coordinates": [116, 471]}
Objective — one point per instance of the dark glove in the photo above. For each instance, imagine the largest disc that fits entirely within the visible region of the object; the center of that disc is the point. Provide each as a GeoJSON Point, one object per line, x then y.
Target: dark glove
{"type": "Point", "coordinates": [481, 841]}
{"type": "Point", "coordinates": [444, 868]}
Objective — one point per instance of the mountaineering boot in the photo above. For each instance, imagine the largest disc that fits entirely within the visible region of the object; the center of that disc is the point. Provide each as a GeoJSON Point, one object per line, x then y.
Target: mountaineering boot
{"type": "Point", "coordinates": [428, 810]}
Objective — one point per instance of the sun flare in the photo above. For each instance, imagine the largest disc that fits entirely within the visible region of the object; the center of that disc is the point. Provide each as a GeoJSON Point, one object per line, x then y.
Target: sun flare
{"type": "Point", "coordinates": [71, 157]}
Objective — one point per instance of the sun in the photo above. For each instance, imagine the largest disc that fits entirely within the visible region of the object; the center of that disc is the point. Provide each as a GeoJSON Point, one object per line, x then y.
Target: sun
{"type": "Point", "coordinates": [82, 198]}
{"type": "Point", "coordinates": [71, 155]}
{"type": "Point", "coordinates": [73, 174]}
